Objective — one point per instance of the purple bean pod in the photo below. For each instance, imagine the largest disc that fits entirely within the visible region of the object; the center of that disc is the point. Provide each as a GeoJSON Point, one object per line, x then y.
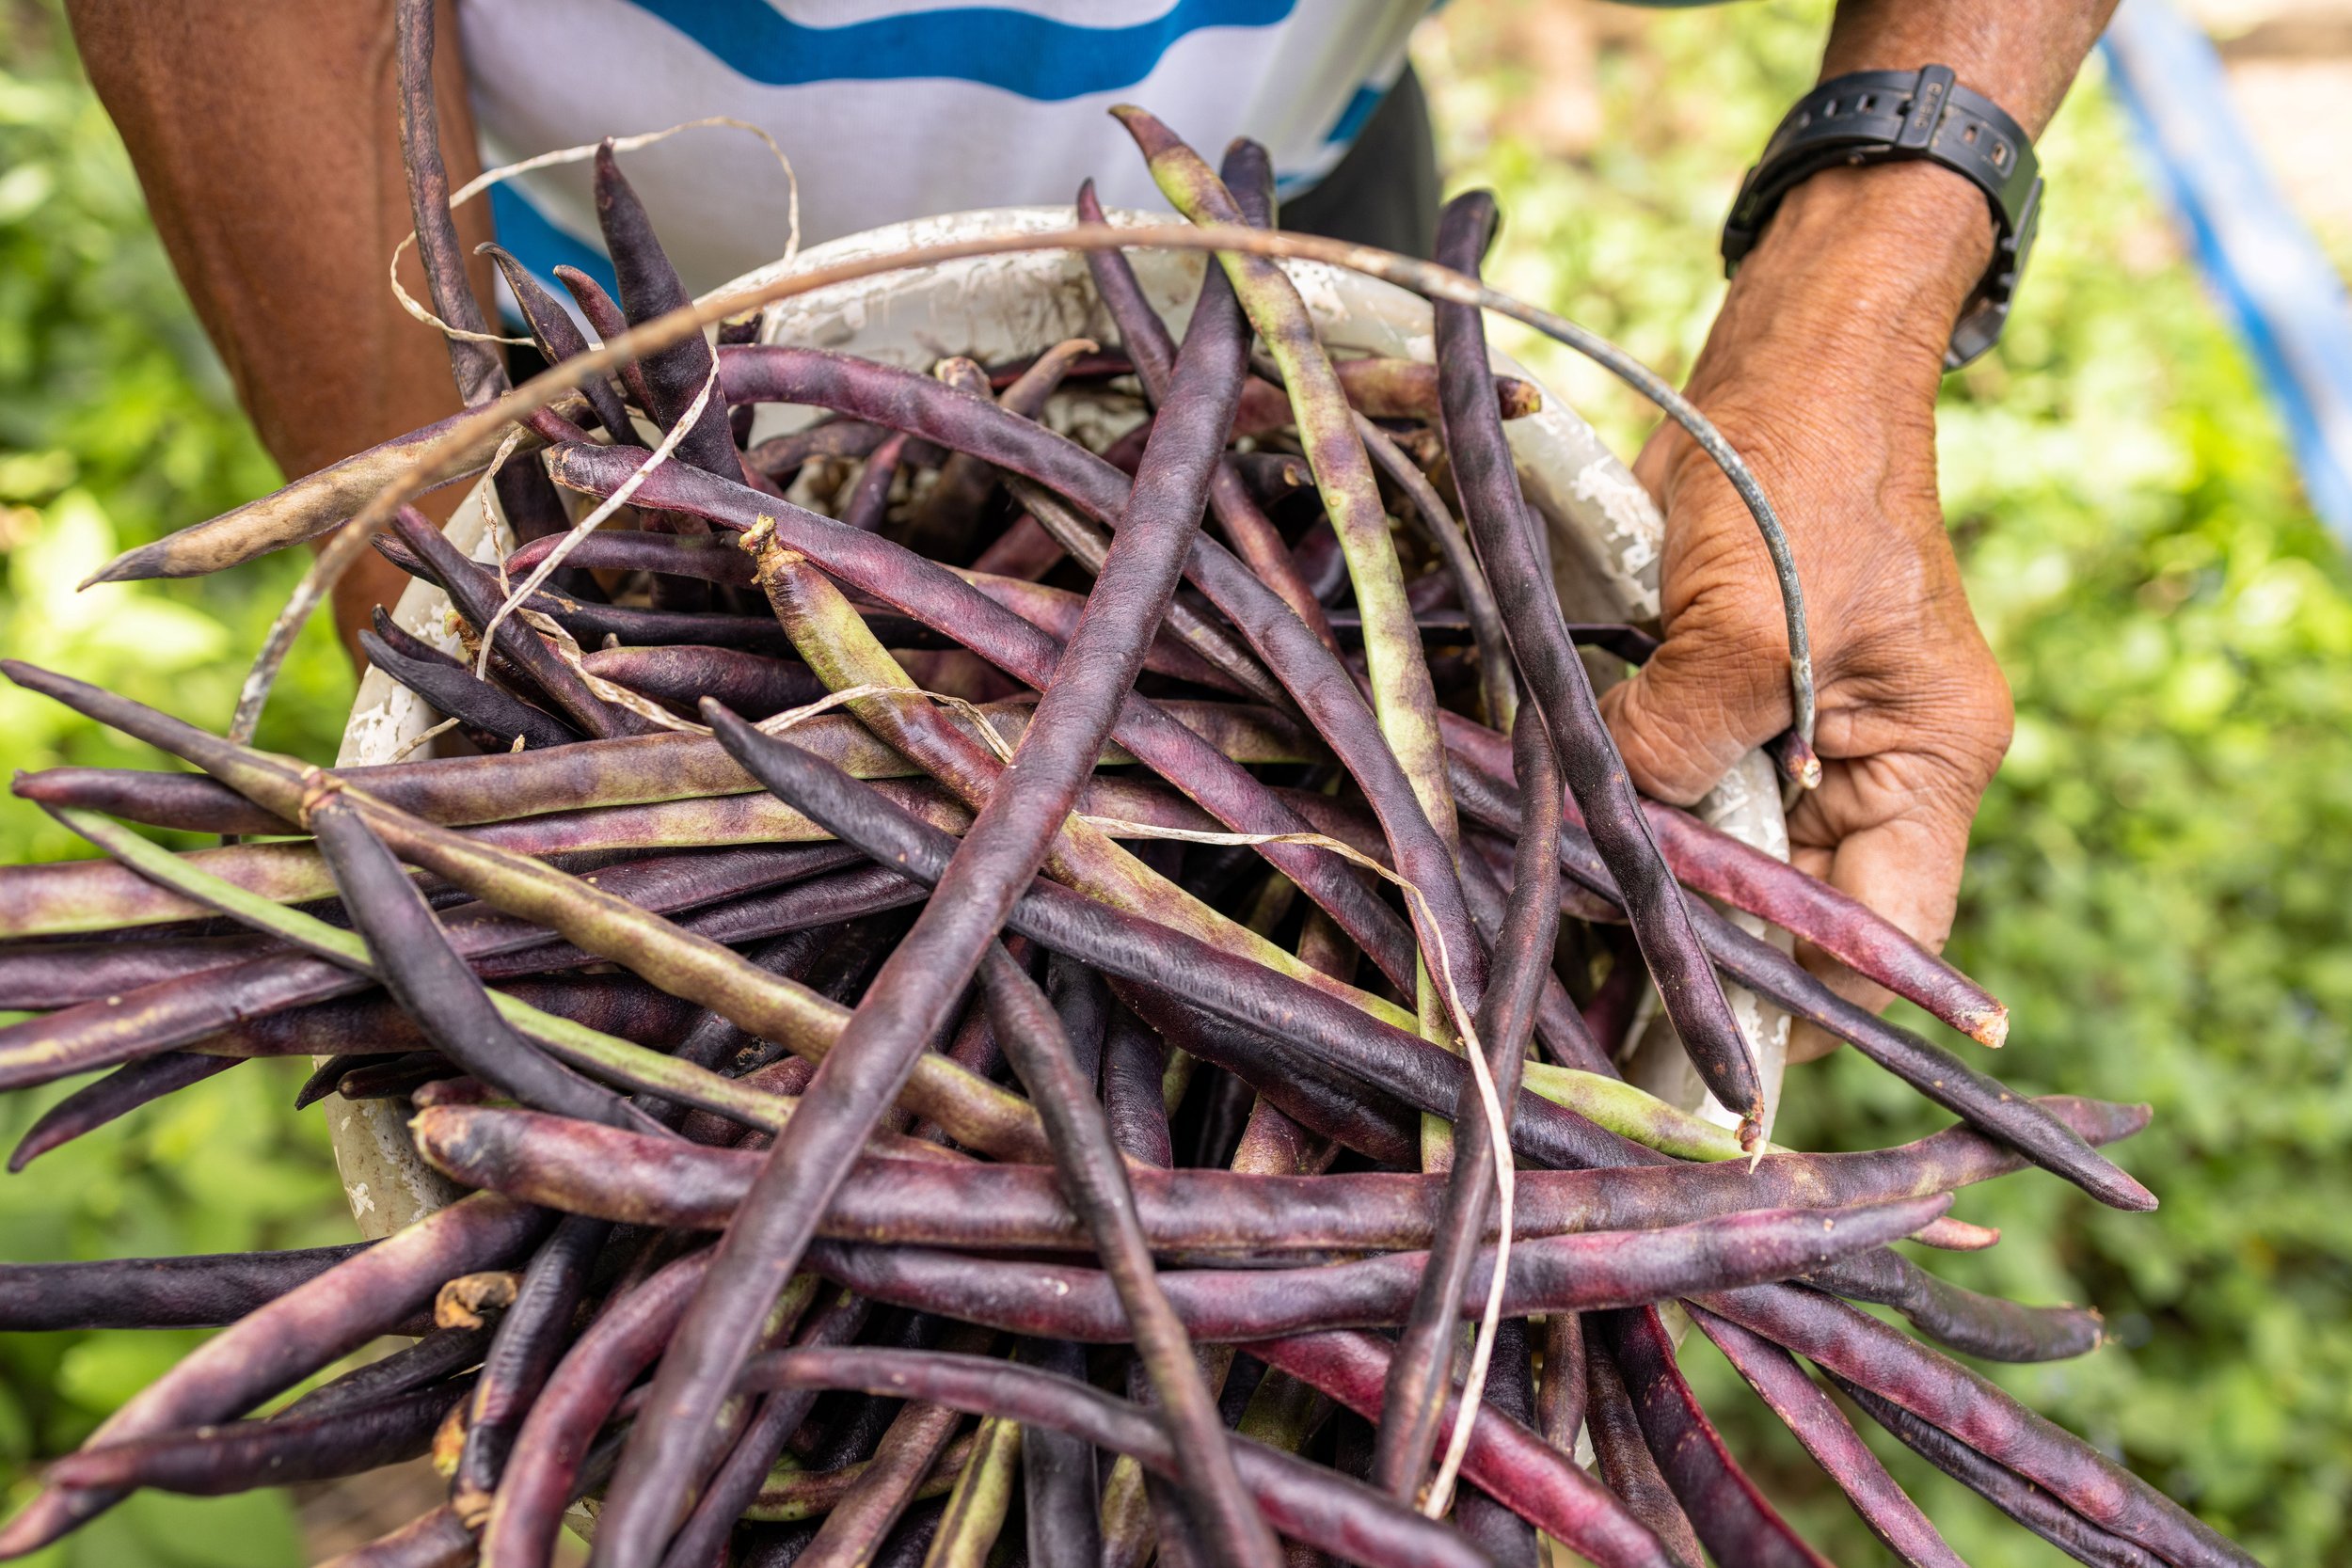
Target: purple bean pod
{"type": "Point", "coordinates": [1488, 482]}
{"type": "Point", "coordinates": [1733, 1519]}
{"type": "Point", "coordinates": [1423, 1363]}
{"type": "Point", "coordinates": [1504, 1459]}
{"type": "Point", "coordinates": [620, 1176]}
{"type": "Point", "coordinates": [1855, 1346]}
{"type": "Point", "coordinates": [924, 975]}
{"type": "Point", "coordinates": [1814, 1417]}
{"type": "Point", "coordinates": [121, 1092]}
{"type": "Point", "coordinates": [275, 1345]}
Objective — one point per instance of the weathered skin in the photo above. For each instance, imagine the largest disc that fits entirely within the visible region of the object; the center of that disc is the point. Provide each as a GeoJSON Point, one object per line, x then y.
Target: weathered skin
{"type": "Point", "coordinates": [1933, 1072]}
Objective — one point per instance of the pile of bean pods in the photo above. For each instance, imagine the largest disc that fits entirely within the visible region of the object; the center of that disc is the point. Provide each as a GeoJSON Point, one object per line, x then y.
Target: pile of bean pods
{"type": "Point", "coordinates": [977, 1010]}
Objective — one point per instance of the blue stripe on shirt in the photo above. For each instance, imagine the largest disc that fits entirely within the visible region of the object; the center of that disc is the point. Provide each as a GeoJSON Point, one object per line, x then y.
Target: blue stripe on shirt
{"type": "Point", "coordinates": [540, 246]}
{"type": "Point", "coordinates": [1035, 56]}
{"type": "Point", "coordinates": [1359, 110]}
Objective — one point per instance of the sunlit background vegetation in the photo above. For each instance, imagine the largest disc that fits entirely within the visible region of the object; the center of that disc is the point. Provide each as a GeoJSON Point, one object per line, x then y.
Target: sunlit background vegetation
{"type": "Point", "coordinates": [2158, 884]}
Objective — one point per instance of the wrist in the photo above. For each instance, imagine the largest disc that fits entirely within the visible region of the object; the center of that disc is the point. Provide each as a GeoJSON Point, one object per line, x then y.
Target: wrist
{"type": "Point", "coordinates": [1861, 273]}
{"type": "Point", "coordinates": [1823, 366]}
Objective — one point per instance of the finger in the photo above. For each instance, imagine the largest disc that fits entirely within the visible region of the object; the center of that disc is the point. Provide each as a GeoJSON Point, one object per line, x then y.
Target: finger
{"type": "Point", "coordinates": [1904, 864]}
{"type": "Point", "coordinates": [1696, 707]}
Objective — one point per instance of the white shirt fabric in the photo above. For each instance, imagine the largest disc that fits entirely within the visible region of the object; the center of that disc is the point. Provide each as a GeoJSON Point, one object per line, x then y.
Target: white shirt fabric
{"type": "Point", "coordinates": [892, 109]}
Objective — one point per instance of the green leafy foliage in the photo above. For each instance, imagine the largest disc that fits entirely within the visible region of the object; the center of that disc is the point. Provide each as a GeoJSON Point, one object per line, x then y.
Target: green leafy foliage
{"type": "Point", "coordinates": [115, 426]}
{"type": "Point", "coordinates": [2157, 881]}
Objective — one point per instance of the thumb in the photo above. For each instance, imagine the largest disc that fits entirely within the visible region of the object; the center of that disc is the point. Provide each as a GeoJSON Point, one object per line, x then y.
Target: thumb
{"type": "Point", "coordinates": [1702, 700]}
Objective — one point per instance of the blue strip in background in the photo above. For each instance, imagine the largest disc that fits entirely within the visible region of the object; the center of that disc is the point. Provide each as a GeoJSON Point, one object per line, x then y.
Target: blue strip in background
{"type": "Point", "coordinates": [2255, 252]}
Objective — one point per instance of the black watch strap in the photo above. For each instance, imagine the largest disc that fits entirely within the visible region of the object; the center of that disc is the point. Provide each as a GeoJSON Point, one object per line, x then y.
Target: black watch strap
{"type": "Point", "coordinates": [1878, 117]}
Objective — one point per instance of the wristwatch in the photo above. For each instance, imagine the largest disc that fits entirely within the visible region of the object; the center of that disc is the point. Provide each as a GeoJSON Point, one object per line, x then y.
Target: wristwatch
{"type": "Point", "coordinates": [1883, 117]}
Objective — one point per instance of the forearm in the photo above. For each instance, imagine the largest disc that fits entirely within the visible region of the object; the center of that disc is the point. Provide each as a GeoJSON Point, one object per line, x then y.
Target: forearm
{"type": "Point", "coordinates": [1936, 229]}
{"type": "Point", "coordinates": [1861, 271]}
{"type": "Point", "coordinates": [2022, 55]}
{"type": "Point", "coordinates": [267, 140]}
{"type": "Point", "coordinates": [1821, 370]}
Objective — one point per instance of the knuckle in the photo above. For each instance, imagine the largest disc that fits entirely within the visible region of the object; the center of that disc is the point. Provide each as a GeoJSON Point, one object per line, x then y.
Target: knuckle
{"type": "Point", "coordinates": [1662, 739]}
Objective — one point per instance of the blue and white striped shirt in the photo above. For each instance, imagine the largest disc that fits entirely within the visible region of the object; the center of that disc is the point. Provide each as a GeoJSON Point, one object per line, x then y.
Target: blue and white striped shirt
{"type": "Point", "coordinates": [894, 109]}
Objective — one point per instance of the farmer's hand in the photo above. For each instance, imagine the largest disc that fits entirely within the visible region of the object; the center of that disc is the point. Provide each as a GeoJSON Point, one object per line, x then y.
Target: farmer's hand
{"type": "Point", "coordinates": [1822, 371]}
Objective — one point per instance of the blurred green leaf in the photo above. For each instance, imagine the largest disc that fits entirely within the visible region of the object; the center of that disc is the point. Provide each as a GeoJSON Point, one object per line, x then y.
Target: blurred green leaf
{"type": "Point", "coordinates": [115, 426]}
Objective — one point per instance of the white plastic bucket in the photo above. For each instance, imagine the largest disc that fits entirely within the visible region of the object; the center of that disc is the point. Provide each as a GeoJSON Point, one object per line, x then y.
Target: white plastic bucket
{"type": "Point", "coordinates": [1603, 530]}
